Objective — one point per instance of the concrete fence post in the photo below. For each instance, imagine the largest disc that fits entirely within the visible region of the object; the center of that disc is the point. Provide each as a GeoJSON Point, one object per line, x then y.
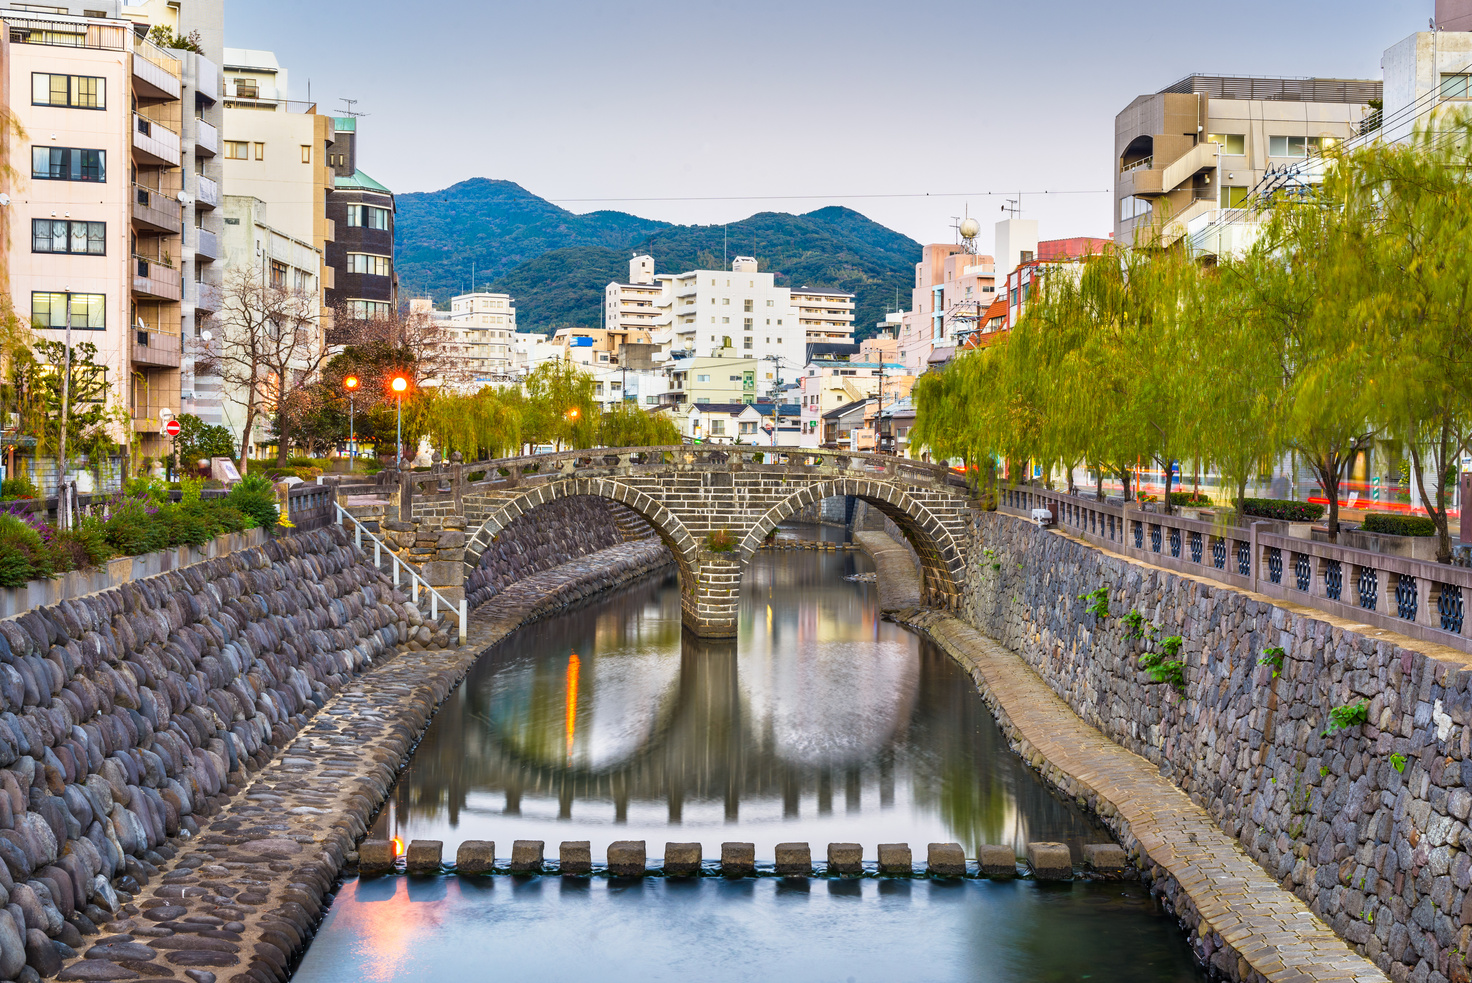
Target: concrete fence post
{"type": "Point", "coordinates": [457, 481]}
{"type": "Point", "coordinates": [406, 496]}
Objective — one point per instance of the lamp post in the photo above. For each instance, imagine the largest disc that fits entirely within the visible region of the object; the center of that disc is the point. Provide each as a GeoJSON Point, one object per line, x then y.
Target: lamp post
{"type": "Point", "coordinates": [351, 385]}
{"type": "Point", "coordinates": [400, 385]}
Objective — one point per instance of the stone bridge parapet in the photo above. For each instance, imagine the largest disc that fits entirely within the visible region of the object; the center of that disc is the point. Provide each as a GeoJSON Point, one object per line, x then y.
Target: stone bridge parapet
{"type": "Point", "coordinates": [712, 506]}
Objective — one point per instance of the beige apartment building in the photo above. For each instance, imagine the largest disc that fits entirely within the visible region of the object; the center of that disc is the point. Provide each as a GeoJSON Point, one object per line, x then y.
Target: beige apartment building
{"type": "Point", "coordinates": [597, 347]}
{"type": "Point", "coordinates": [1207, 143]}
{"type": "Point", "coordinates": [106, 229]}
{"type": "Point", "coordinates": [954, 285]}
{"type": "Point", "coordinates": [825, 316]}
{"type": "Point", "coordinates": [480, 328]}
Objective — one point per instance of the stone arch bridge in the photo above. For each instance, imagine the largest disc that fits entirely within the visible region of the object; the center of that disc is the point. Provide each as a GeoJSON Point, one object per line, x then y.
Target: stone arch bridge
{"type": "Point", "coordinates": [713, 507]}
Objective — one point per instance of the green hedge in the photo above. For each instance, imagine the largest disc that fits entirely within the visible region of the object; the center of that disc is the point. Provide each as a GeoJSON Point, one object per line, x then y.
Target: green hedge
{"type": "Point", "coordinates": [1282, 510]}
{"type": "Point", "coordinates": [1392, 524]}
{"type": "Point", "coordinates": [1191, 500]}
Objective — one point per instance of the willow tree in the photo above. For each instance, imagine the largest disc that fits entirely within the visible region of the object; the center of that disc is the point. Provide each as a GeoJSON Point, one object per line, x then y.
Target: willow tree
{"type": "Point", "coordinates": [481, 424]}
{"type": "Point", "coordinates": [559, 407]}
{"type": "Point", "coordinates": [626, 425]}
{"type": "Point", "coordinates": [1417, 198]}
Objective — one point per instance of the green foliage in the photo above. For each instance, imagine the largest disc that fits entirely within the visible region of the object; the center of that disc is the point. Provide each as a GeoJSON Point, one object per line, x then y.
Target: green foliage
{"type": "Point", "coordinates": [1134, 625]}
{"type": "Point", "coordinates": [1273, 657]}
{"type": "Point", "coordinates": [1098, 602]}
{"type": "Point", "coordinates": [1194, 500]}
{"type": "Point", "coordinates": [13, 488]}
{"type": "Point", "coordinates": [198, 441]}
{"type": "Point", "coordinates": [1343, 717]}
{"type": "Point", "coordinates": [190, 489]}
{"type": "Point", "coordinates": [721, 541]}
{"type": "Point", "coordinates": [1282, 510]}
{"type": "Point", "coordinates": [559, 407]}
{"type": "Point", "coordinates": [1164, 667]}
{"type": "Point", "coordinates": [164, 37]}
{"type": "Point", "coordinates": [1394, 524]}
{"type": "Point", "coordinates": [557, 263]}
{"type": "Point", "coordinates": [626, 425]}
{"type": "Point", "coordinates": [1398, 762]}
{"type": "Point", "coordinates": [146, 486]}
{"type": "Point", "coordinates": [255, 502]}
{"type": "Point", "coordinates": [481, 425]}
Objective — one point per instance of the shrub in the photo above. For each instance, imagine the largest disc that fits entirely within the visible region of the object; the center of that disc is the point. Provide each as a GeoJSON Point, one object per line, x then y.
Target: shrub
{"type": "Point", "coordinates": [721, 542]}
{"type": "Point", "coordinates": [1191, 500]}
{"type": "Point", "coordinates": [1391, 524]}
{"type": "Point", "coordinates": [255, 498]}
{"type": "Point", "coordinates": [1283, 510]}
{"type": "Point", "coordinates": [13, 488]}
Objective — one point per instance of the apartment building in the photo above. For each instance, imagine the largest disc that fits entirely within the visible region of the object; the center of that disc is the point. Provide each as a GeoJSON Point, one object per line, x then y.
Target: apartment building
{"type": "Point", "coordinates": [825, 316]}
{"type": "Point", "coordinates": [1207, 142]}
{"type": "Point", "coordinates": [104, 229]}
{"type": "Point", "coordinates": [597, 347]}
{"type": "Point", "coordinates": [718, 380]}
{"type": "Point", "coordinates": [361, 254]}
{"type": "Point", "coordinates": [954, 284]}
{"type": "Point", "coordinates": [285, 261]}
{"type": "Point", "coordinates": [480, 328]}
{"type": "Point", "coordinates": [530, 349]}
{"type": "Point", "coordinates": [826, 386]}
{"type": "Point", "coordinates": [636, 305]}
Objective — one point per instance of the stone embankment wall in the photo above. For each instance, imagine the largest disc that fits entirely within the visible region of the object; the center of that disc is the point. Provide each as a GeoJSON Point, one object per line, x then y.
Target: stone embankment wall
{"type": "Point", "coordinates": [1368, 825]}
{"type": "Point", "coordinates": [549, 536]}
{"type": "Point", "coordinates": [123, 715]}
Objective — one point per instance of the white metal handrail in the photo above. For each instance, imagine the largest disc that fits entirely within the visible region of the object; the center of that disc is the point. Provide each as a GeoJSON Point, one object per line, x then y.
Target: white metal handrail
{"type": "Point", "coordinates": [415, 578]}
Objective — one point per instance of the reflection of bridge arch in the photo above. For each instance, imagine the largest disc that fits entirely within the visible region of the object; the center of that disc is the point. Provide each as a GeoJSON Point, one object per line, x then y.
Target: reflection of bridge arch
{"type": "Point", "coordinates": [940, 556]}
{"type": "Point", "coordinates": [695, 496]}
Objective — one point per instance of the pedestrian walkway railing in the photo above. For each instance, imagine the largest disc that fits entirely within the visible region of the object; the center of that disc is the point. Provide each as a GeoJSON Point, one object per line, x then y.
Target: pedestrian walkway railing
{"type": "Point", "coordinates": [1416, 598]}
{"type": "Point", "coordinates": [416, 580]}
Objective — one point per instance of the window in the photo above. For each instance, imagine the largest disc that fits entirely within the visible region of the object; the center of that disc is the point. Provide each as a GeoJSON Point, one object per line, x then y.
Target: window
{"type": "Point", "coordinates": [366, 309]}
{"type": "Point", "coordinates": [747, 323]}
{"type": "Point", "coordinates": [278, 274]}
{"type": "Point", "coordinates": [1132, 207]}
{"type": "Point", "coordinates": [306, 153]}
{"type": "Point", "coordinates": [651, 400]}
{"type": "Point", "coordinates": [89, 311]}
{"type": "Point", "coordinates": [260, 151]}
{"type": "Point", "coordinates": [718, 428]}
{"type": "Point", "coordinates": [367, 217]}
{"type": "Point", "coordinates": [53, 236]}
{"type": "Point", "coordinates": [1233, 197]}
{"type": "Point", "coordinates": [725, 320]}
{"type": "Point", "coordinates": [702, 378]}
{"type": "Point", "coordinates": [770, 304]}
{"type": "Point", "coordinates": [1234, 144]}
{"type": "Point", "coordinates": [237, 150]}
{"type": "Point", "coordinates": [726, 301]}
{"type": "Point", "coordinates": [1455, 86]}
{"type": "Point", "coordinates": [748, 427]}
{"type": "Point", "coordinates": [72, 91]}
{"type": "Point", "coordinates": [68, 164]}
{"type": "Point", "coordinates": [247, 89]}
{"type": "Point", "coordinates": [748, 306]}
{"type": "Point", "coordinates": [368, 263]}
{"type": "Point", "coordinates": [1298, 146]}
{"type": "Point", "coordinates": [746, 342]}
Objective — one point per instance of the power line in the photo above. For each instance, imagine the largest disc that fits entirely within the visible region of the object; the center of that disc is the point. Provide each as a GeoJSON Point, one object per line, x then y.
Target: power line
{"type": "Point", "coordinates": [919, 194]}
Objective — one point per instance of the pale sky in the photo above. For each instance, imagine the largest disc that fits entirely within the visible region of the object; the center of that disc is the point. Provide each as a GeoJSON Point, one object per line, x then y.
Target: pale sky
{"type": "Point", "coordinates": [774, 101]}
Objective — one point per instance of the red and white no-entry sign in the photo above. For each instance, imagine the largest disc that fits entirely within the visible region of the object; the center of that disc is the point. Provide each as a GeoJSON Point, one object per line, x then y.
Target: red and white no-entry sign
{"type": "Point", "coordinates": [172, 428]}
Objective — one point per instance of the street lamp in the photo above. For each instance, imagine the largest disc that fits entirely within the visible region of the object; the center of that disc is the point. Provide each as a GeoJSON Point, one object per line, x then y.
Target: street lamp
{"type": "Point", "coordinates": [400, 385]}
{"type": "Point", "coordinates": [351, 385]}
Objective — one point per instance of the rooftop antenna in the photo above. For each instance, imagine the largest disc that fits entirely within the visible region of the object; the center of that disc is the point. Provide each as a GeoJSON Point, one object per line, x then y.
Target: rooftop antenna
{"type": "Point", "coordinates": [1013, 208]}
{"type": "Point", "coordinates": [350, 102]}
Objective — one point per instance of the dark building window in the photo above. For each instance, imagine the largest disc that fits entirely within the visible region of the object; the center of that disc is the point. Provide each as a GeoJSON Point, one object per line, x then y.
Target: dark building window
{"type": "Point", "coordinates": [56, 236]}
{"type": "Point", "coordinates": [68, 164]}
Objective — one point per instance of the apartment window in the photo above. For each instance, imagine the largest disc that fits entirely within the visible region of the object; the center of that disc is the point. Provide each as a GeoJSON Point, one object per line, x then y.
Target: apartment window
{"type": "Point", "coordinates": [237, 150]}
{"type": "Point", "coordinates": [260, 151]}
{"type": "Point", "coordinates": [247, 89]}
{"type": "Point", "coordinates": [748, 306]}
{"type": "Point", "coordinates": [368, 263]}
{"type": "Point", "coordinates": [1233, 197]}
{"type": "Point", "coordinates": [726, 301]}
{"type": "Point", "coordinates": [748, 427]}
{"type": "Point", "coordinates": [718, 428]}
{"type": "Point", "coordinates": [68, 164]}
{"type": "Point", "coordinates": [54, 236]}
{"type": "Point", "coordinates": [306, 153]}
{"type": "Point", "coordinates": [367, 217]}
{"type": "Point", "coordinates": [747, 323]}
{"type": "Point", "coordinates": [1132, 207]}
{"type": "Point", "coordinates": [278, 274]}
{"type": "Point", "coordinates": [1234, 144]}
{"type": "Point", "coordinates": [725, 320]}
{"type": "Point", "coordinates": [71, 91]}
{"type": "Point", "coordinates": [779, 324]}
{"type": "Point", "coordinates": [1455, 86]}
{"type": "Point", "coordinates": [746, 342]}
{"type": "Point", "coordinates": [702, 399]}
{"type": "Point", "coordinates": [651, 400]}
{"type": "Point", "coordinates": [771, 304]}
{"type": "Point", "coordinates": [89, 311]}
{"type": "Point", "coordinates": [365, 309]}
{"type": "Point", "coordinates": [702, 378]}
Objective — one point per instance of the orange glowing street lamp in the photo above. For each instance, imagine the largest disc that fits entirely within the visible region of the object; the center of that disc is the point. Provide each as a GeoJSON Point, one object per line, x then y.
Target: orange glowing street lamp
{"type": "Point", "coordinates": [400, 385]}
{"type": "Point", "coordinates": [351, 385]}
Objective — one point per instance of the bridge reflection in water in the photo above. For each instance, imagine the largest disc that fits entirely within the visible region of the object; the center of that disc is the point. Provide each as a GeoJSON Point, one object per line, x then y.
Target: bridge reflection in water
{"type": "Point", "coordinates": [820, 722]}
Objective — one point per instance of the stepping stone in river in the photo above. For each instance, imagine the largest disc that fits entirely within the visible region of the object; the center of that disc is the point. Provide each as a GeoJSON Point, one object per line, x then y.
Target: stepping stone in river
{"type": "Point", "coordinates": [475, 857]}
{"type": "Point", "coordinates": [895, 858]}
{"type": "Point", "coordinates": [682, 859]}
{"type": "Point", "coordinates": [845, 858]}
{"type": "Point", "coordinates": [575, 857]}
{"type": "Point", "coordinates": [626, 858]}
{"type": "Point", "coordinates": [794, 859]}
{"type": "Point", "coordinates": [1050, 861]}
{"type": "Point", "coordinates": [997, 862]}
{"type": "Point", "coordinates": [738, 859]}
{"type": "Point", "coordinates": [945, 860]}
{"type": "Point", "coordinates": [425, 856]}
{"type": "Point", "coordinates": [526, 856]}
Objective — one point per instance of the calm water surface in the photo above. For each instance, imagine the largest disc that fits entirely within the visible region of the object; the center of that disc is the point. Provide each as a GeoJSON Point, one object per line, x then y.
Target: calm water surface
{"type": "Point", "coordinates": [820, 723]}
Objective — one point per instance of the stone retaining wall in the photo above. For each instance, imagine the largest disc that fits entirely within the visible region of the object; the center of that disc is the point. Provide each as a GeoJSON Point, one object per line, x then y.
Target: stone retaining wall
{"type": "Point", "coordinates": [124, 715]}
{"type": "Point", "coordinates": [1369, 825]}
{"type": "Point", "coordinates": [549, 536]}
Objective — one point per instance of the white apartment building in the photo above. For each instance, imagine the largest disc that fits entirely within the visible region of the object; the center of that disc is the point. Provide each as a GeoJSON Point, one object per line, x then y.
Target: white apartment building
{"type": "Point", "coordinates": [700, 313]}
{"type": "Point", "coordinates": [480, 327]}
{"type": "Point", "coordinates": [530, 349]}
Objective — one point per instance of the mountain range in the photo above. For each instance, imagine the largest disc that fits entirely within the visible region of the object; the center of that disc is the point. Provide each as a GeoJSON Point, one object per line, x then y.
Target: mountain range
{"type": "Point", "coordinates": [556, 263]}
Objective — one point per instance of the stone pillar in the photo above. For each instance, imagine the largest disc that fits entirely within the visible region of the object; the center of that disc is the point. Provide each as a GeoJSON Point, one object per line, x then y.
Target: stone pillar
{"type": "Point", "coordinates": [709, 607]}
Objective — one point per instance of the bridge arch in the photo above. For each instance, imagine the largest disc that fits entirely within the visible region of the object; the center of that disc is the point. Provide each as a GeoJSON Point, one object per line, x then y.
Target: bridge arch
{"type": "Point", "coordinates": [941, 559]}
{"type": "Point", "coordinates": [671, 531]}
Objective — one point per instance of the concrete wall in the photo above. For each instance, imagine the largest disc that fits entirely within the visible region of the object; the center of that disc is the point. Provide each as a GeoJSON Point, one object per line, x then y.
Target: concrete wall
{"type": "Point", "coordinates": [1368, 826]}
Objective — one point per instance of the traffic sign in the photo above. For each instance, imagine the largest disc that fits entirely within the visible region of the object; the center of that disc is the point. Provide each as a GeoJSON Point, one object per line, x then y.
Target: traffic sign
{"type": "Point", "coordinates": [172, 428]}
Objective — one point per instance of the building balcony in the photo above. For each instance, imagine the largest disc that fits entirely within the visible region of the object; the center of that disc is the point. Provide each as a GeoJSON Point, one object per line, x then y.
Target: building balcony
{"type": "Point", "coordinates": [154, 143]}
{"type": "Point", "coordinates": [151, 80]}
{"type": "Point", "coordinates": [206, 245]}
{"type": "Point", "coordinates": [156, 349]}
{"type": "Point", "coordinates": [1151, 178]}
{"type": "Point", "coordinates": [206, 78]}
{"type": "Point", "coordinates": [206, 138]}
{"type": "Point", "coordinates": [209, 192]}
{"type": "Point", "coordinates": [153, 279]}
{"type": "Point", "coordinates": [157, 210]}
{"type": "Point", "coordinates": [209, 298]}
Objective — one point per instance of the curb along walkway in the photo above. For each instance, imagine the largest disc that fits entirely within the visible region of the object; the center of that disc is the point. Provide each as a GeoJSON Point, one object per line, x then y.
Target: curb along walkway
{"type": "Point", "coordinates": [897, 578]}
{"type": "Point", "coordinates": [240, 901]}
{"type": "Point", "coordinates": [1247, 926]}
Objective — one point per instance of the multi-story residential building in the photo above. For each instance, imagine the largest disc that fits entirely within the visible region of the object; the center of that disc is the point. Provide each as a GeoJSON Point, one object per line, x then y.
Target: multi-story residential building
{"type": "Point", "coordinates": [827, 385]}
{"type": "Point", "coordinates": [479, 330]}
{"type": "Point", "coordinates": [717, 380]}
{"type": "Point", "coordinates": [597, 347]}
{"type": "Point", "coordinates": [724, 423]}
{"type": "Point", "coordinates": [1207, 142]}
{"type": "Point", "coordinates": [825, 315]}
{"type": "Point", "coordinates": [287, 261]}
{"type": "Point", "coordinates": [361, 253]}
{"type": "Point", "coordinates": [530, 349]}
{"type": "Point", "coordinates": [636, 305]}
{"type": "Point", "coordinates": [1055, 257]}
{"type": "Point", "coordinates": [953, 286]}
{"type": "Point", "coordinates": [104, 225]}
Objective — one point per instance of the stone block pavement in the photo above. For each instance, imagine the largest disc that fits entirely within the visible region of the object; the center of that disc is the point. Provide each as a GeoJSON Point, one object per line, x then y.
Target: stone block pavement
{"type": "Point", "coordinates": [898, 577]}
{"type": "Point", "coordinates": [239, 902]}
{"type": "Point", "coordinates": [1242, 922]}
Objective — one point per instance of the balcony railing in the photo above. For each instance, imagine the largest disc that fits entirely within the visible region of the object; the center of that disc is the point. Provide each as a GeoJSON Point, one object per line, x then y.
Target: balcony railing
{"type": "Point", "coordinates": [1135, 165]}
{"type": "Point", "coordinates": [151, 80]}
{"type": "Point", "coordinates": [153, 279]}
{"type": "Point", "coordinates": [158, 210]}
{"type": "Point", "coordinates": [206, 245]}
{"type": "Point", "coordinates": [206, 138]}
{"type": "Point", "coordinates": [156, 349]}
{"type": "Point", "coordinates": [209, 298]}
{"type": "Point", "coordinates": [154, 142]}
{"type": "Point", "coordinates": [209, 192]}
{"type": "Point", "coordinates": [1412, 597]}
